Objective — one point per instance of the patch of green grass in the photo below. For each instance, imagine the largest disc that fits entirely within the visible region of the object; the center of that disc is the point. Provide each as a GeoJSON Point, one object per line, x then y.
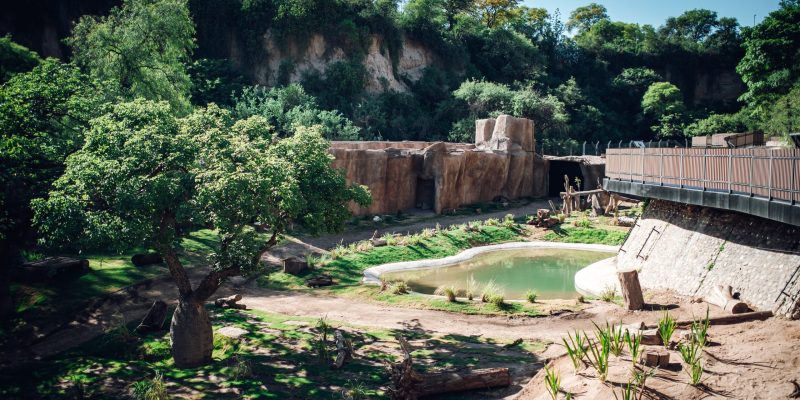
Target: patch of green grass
{"type": "Point", "coordinates": [274, 360]}
{"type": "Point", "coordinates": [571, 234]}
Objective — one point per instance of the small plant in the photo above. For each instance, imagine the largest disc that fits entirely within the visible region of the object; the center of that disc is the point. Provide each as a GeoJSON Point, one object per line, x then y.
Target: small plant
{"type": "Point", "coordinates": [609, 294]}
{"type": "Point", "coordinates": [576, 349]}
{"type": "Point", "coordinates": [695, 372]}
{"type": "Point", "coordinates": [242, 368]}
{"type": "Point", "coordinates": [315, 261]}
{"type": "Point", "coordinates": [490, 289]}
{"type": "Point", "coordinates": [666, 326]}
{"type": "Point", "coordinates": [561, 218]}
{"type": "Point", "coordinates": [498, 299]}
{"type": "Point", "coordinates": [354, 391]}
{"type": "Point", "coordinates": [384, 284]}
{"type": "Point", "coordinates": [399, 287]}
{"type": "Point", "coordinates": [508, 221]}
{"type": "Point", "coordinates": [531, 295]}
{"type": "Point", "coordinates": [582, 223]}
{"type": "Point", "coordinates": [448, 291]}
{"type": "Point", "coordinates": [552, 382]}
{"type": "Point", "coordinates": [390, 239]}
{"type": "Point", "coordinates": [472, 287]}
{"type": "Point", "coordinates": [320, 343]}
{"type": "Point", "coordinates": [492, 222]}
{"type": "Point", "coordinates": [427, 233]}
{"type": "Point", "coordinates": [640, 379]}
{"type": "Point", "coordinates": [634, 343]}
{"type": "Point", "coordinates": [150, 389]}
{"type": "Point", "coordinates": [690, 353]}
{"type": "Point", "coordinates": [700, 330]}
{"type": "Point", "coordinates": [581, 299]}
{"type": "Point", "coordinates": [617, 340]}
{"type": "Point", "coordinates": [597, 356]}
{"type": "Point", "coordinates": [627, 391]}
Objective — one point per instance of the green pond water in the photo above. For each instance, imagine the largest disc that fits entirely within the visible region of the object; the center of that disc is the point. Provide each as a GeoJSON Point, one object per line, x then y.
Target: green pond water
{"type": "Point", "coordinates": [550, 272]}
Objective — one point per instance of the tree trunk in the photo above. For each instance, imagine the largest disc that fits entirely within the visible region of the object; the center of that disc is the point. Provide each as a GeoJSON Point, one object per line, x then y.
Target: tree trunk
{"type": "Point", "coordinates": [631, 290]}
{"type": "Point", "coordinates": [7, 260]}
{"type": "Point", "coordinates": [192, 336]}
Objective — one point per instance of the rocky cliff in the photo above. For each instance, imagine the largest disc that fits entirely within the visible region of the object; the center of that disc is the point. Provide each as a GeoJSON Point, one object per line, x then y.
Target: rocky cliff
{"type": "Point", "coordinates": [443, 176]}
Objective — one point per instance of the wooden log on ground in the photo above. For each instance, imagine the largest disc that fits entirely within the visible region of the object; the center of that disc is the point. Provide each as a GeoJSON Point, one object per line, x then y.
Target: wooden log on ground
{"type": "Point", "coordinates": [655, 358]}
{"type": "Point", "coordinates": [722, 297]}
{"type": "Point", "coordinates": [230, 302]}
{"type": "Point", "coordinates": [631, 289]}
{"type": "Point", "coordinates": [51, 268]}
{"type": "Point", "coordinates": [319, 281]}
{"type": "Point", "coordinates": [141, 260]}
{"type": "Point", "coordinates": [344, 351]}
{"type": "Point", "coordinates": [154, 320]}
{"type": "Point", "coordinates": [408, 384]}
{"type": "Point", "coordinates": [727, 319]}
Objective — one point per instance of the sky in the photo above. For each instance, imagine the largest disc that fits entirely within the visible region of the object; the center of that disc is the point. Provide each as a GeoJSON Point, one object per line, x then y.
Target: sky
{"type": "Point", "coordinates": [655, 12]}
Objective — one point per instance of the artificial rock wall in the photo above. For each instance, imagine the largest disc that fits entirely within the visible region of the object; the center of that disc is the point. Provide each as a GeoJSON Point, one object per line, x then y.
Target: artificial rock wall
{"type": "Point", "coordinates": [443, 176]}
{"type": "Point", "coordinates": [691, 249]}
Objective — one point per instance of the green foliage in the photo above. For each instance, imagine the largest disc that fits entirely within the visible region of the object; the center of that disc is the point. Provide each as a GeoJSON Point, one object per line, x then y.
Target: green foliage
{"type": "Point", "coordinates": [140, 50]}
{"type": "Point", "coordinates": [783, 116]}
{"type": "Point", "coordinates": [15, 58]}
{"type": "Point", "coordinates": [150, 389]}
{"type": "Point", "coordinates": [576, 348]}
{"type": "Point", "coordinates": [771, 63]}
{"type": "Point", "coordinates": [531, 296]}
{"type": "Point", "coordinates": [597, 356]}
{"type": "Point", "coordinates": [700, 329]}
{"type": "Point", "coordinates": [583, 18]}
{"type": "Point", "coordinates": [719, 123]}
{"type": "Point", "coordinates": [662, 98]}
{"type": "Point", "coordinates": [448, 291]}
{"type": "Point", "coordinates": [214, 81]}
{"type": "Point", "coordinates": [666, 326]}
{"type": "Point", "coordinates": [552, 382]}
{"type": "Point", "coordinates": [634, 343]}
{"type": "Point", "coordinates": [399, 287]}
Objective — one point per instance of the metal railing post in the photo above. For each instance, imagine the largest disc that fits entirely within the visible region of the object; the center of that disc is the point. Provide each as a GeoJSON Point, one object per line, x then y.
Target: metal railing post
{"type": "Point", "coordinates": [769, 185]}
{"type": "Point", "coordinates": [730, 171]}
{"type": "Point", "coordinates": [794, 179]}
{"type": "Point", "coordinates": [680, 169]}
{"type": "Point", "coordinates": [643, 154]}
{"type": "Point", "coordinates": [752, 161]}
{"type": "Point", "coordinates": [660, 165]}
{"type": "Point", "coordinates": [705, 167]}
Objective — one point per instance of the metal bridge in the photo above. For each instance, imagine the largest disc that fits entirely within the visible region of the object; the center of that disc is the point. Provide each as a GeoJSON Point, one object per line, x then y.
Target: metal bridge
{"type": "Point", "coordinates": [758, 181]}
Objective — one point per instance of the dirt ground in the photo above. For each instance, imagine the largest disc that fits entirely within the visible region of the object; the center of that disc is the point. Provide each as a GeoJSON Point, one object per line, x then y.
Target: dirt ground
{"type": "Point", "coordinates": [752, 360]}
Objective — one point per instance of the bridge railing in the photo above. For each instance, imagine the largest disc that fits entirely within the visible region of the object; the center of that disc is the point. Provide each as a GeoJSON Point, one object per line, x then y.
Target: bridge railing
{"type": "Point", "coordinates": [762, 172]}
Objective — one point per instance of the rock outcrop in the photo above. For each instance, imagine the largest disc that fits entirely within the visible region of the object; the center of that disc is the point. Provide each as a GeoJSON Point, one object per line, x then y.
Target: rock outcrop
{"type": "Point", "coordinates": [444, 176]}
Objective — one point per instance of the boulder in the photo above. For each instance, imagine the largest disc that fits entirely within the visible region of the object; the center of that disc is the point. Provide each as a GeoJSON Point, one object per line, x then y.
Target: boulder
{"type": "Point", "coordinates": [483, 131]}
{"type": "Point", "coordinates": [141, 260]}
{"type": "Point", "coordinates": [233, 332]}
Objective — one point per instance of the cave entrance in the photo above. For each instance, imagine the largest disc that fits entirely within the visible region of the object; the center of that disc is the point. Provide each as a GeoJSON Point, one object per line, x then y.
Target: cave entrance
{"type": "Point", "coordinates": [426, 193]}
{"type": "Point", "coordinates": [559, 168]}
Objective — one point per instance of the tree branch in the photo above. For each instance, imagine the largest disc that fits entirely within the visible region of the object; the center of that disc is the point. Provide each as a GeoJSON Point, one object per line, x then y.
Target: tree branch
{"type": "Point", "coordinates": [176, 269]}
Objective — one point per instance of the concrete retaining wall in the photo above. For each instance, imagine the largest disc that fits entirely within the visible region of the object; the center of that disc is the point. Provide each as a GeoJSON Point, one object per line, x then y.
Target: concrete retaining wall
{"type": "Point", "coordinates": [690, 249]}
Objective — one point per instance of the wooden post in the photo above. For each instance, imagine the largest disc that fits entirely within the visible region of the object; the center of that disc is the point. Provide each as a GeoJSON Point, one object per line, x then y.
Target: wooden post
{"type": "Point", "coordinates": [631, 290]}
{"type": "Point", "coordinates": [655, 358]}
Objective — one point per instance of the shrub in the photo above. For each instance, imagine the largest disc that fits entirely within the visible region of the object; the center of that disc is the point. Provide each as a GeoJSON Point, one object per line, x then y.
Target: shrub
{"type": "Point", "coordinates": [497, 299]}
{"type": "Point", "coordinates": [150, 389]}
{"type": "Point", "coordinates": [634, 343]}
{"type": "Point", "coordinates": [490, 289]}
{"type": "Point", "coordinates": [320, 342]}
{"type": "Point", "coordinates": [609, 294]}
{"type": "Point", "coordinates": [492, 222]}
{"type": "Point", "coordinates": [531, 295]}
{"type": "Point", "coordinates": [508, 221]}
{"type": "Point", "coordinates": [582, 223]}
{"type": "Point", "coordinates": [447, 291]}
{"type": "Point", "coordinates": [399, 287]}
{"type": "Point", "coordinates": [552, 382]}
{"type": "Point", "coordinates": [472, 287]}
{"type": "Point", "coordinates": [576, 348]}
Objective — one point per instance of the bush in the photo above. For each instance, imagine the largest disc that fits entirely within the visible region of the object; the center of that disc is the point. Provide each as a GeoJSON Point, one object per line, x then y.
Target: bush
{"type": "Point", "coordinates": [531, 295]}
{"type": "Point", "coordinates": [448, 291]}
{"type": "Point", "coordinates": [399, 287]}
{"type": "Point", "coordinates": [150, 389]}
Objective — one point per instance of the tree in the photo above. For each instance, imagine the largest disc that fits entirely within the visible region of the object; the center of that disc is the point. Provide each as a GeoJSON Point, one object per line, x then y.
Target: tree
{"type": "Point", "coordinates": [693, 25]}
{"type": "Point", "coordinates": [582, 18]}
{"type": "Point", "coordinates": [454, 7]}
{"type": "Point", "coordinates": [42, 117]}
{"type": "Point", "coordinates": [15, 58]}
{"type": "Point", "coordinates": [771, 63]}
{"type": "Point", "coordinates": [141, 49]}
{"type": "Point", "coordinates": [663, 102]}
{"type": "Point", "coordinates": [143, 175]}
{"type": "Point", "coordinates": [495, 13]}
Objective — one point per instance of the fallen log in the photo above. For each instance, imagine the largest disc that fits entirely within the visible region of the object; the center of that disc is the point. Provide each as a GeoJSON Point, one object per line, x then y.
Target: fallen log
{"type": "Point", "coordinates": [631, 289]}
{"type": "Point", "coordinates": [51, 268]}
{"type": "Point", "coordinates": [141, 260]}
{"type": "Point", "coordinates": [154, 320]}
{"type": "Point", "coordinates": [726, 319]}
{"type": "Point", "coordinates": [407, 384]}
{"type": "Point", "coordinates": [722, 297]}
{"type": "Point", "coordinates": [230, 302]}
{"type": "Point", "coordinates": [320, 280]}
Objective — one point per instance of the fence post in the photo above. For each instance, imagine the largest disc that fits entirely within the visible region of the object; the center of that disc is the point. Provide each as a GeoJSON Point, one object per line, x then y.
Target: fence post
{"type": "Point", "coordinates": [752, 157]}
{"type": "Point", "coordinates": [794, 178]}
{"type": "Point", "coordinates": [660, 165]}
{"type": "Point", "coordinates": [730, 171]}
{"type": "Point", "coordinates": [705, 167]}
{"type": "Point", "coordinates": [584, 148]}
{"type": "Point", "coordinates": [769, 185]}
{"type": "Point", "coordinates": [643, 154]}
{"type": "Point", "coordinates": [680, 170]}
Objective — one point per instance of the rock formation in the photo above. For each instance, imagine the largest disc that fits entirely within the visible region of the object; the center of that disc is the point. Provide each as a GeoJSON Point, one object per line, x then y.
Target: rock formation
{"type": "Point", "coordinates": [444, 176]}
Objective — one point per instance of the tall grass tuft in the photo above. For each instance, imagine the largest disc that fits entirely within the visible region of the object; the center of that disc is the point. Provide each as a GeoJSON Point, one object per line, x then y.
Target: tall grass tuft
{"type": "Point", "coordinates": [472, 287]}
{"type": "Point", "coordinates": [597, 356]}
{"type": "Point", "coordinates": [700, 329]}
{"type": "Point", "coordinates": [552, 382]}
{"type": "Point", "coordinates": [666, 326]}
{"type": "Point", "coordinates": [531, 295]}
{"type": "Point", "coordinates": [491, 288]}
{"type": "Point", "coordinates": [150, 389]}
{"type": "Point", "coordinates": [576, 348]}
{"type": "Point", "coordinates": [448, 291]}
{"type": "Point", "coordinates": [634, 343]}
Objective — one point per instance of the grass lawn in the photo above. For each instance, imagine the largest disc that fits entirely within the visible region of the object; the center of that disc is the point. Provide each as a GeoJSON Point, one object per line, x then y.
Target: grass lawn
{"type": "Point", "coordinates": [281, 357]}
{"type": "Point", "coordinates": [58, 300]}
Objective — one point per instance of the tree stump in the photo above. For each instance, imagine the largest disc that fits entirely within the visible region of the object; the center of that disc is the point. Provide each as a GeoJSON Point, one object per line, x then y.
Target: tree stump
{"type": "Point", "coordinates": [722, 297]}
{"type": "Point", "coordinates": [631, 290]}
{"type": "Point", "coordinates": [154, 320]}
{"type": "Point", "coordinates": [294, 265]}
{"type": "Point", "coordinates": [141, 260]}
{"type": "Point", "coordinates": [655, 358]}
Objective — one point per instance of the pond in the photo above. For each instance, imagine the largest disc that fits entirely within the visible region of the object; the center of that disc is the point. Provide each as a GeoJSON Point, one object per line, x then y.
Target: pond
{"type": "Point", "coordinates": [549, 272]}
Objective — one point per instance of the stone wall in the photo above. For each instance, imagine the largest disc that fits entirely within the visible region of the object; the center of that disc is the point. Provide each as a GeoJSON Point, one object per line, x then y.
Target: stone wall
{"type": "Point", "coordinates": [691, 249]}
{"type": "Point", "coordinates": [444, 176]}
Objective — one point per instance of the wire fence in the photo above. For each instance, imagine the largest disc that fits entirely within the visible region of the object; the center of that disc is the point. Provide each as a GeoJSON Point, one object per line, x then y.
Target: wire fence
{"type": "Point", "coordinates": [598, 148]}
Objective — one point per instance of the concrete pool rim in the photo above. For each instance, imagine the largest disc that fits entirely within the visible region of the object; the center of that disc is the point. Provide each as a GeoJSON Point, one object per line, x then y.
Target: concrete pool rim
{"type": "Point", "coordinates": [372, 275]}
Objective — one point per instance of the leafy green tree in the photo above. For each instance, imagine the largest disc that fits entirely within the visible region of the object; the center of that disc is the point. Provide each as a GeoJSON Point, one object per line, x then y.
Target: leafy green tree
{"type": "Point", "coordinates": [142, 174]}
{"type": "Point", "coordinates": [719, 123]}
{"type": "Point", "coordinates": [663, 102]}
{"type": "Point", "coordinates": [485, 98]}
{"type": "Point", "coordinates": [783, 116]}
{"type": "Point", "coordinates": [583, 18]}
{"type": "Point", "coordinates": [771, 63]}
{"type": "Point", "coordinates": [453, 8]}
{"type": "Point", "coordinates": [42, 117]}
{"type": "Point", "coordinates": [214, 81]}
{"type": "Point", "coordinates": [693, 25]}
{"type": "Point", "coordinates": [140, 49]}
{"type": "Point", "coordinates": [15, 58]}
{"type": "Point", "coordinates": [495, 13]}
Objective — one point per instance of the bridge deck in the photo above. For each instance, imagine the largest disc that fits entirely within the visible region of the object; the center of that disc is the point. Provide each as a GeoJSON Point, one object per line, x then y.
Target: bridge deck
{"type": "Point", "coordinates": [759, 181]}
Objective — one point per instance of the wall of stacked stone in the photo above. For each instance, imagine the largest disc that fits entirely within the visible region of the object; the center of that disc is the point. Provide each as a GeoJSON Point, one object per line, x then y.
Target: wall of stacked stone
{"type": "Point", "coordinates": [691, 249]}
{"type": "Point", "coordinates": [444, 176]}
